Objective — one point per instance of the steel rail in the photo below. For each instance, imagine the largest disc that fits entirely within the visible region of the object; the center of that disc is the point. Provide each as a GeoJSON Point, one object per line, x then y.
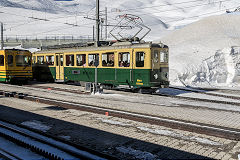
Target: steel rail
{"type": "Point", "coordinates": [213, 130]}
{"type": "Point", "coordinates": [199, 99]}
{"type": "Point", "coordinates": [160, 94]}
{"type": "Point", "coordinates": [9, 155]}
{"type": "Point", "coordinates": [202, 91]}
{"type": "Point", "coordinates": [39, 143]}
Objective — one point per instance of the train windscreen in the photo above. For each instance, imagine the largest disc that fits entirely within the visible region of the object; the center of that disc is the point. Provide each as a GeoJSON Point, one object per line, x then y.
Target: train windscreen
{"type": "Point", "coordinates": [23, 60]}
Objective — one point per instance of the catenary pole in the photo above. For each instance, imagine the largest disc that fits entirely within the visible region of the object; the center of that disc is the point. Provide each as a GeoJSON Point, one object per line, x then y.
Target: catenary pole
{"type": "Point", "coordinates": [93, 34]}
{"type": "Point", "coordinates": [2, 42]}
{"type": "Point", "coordinates": [97, 45]}
{"type": "Point", "coordinates": [106, 23]}
{"type": "Point", "coordinates": [97, 23]}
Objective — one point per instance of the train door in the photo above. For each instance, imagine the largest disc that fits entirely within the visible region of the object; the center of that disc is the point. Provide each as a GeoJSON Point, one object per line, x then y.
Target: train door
{"type": "Point", "coordinates": [2, 66]}
{"type": "Point", "coordinates": [124, 72]}
{"type": "Point", "coordinates": [9, 60]}
{"type": "Point", "coordinates": [108, 75]}
{"type": "Point", "coordinates": [59, 67]}
{"type": "Point", "coordinates": [141, 61]}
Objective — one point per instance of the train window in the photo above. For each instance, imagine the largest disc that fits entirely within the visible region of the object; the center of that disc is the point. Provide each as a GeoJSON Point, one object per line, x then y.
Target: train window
{"type": "Point", "coordinates": [93, 59]}
{"type": "Point", "coordinates": [40, 59]}
{"type": "Point", "coordinates": [50, 60]}
{"type": "Point", "coordinates": [163, 57]}
{"type": "Point", "coordinates": [1, 60]}
{"type": "Point", "coordinates": [57, 60]}
{"type": "Point", "coordinates": [124, 59]}
{"type": "Point", "coordinates": [10, 60]}
{"type": "Point", "coordinates": [61, 60]}
{"type": "Point", "coordinates": [81, 60]}
{"type": "Point", "coordinates": [108, 59]}
{"type": "Point", "coordinates": [140, 59]}
{"type": "Point", "coordinates": [166, 57]}
{"type": "Point", "coordinates": [22, 60]}
{"type": "Point", "coordinates": [34, 59]}
{"type": "Point", "coordinates": [70, 60]}
{"type": "Point", "coordinates": [155, 54]}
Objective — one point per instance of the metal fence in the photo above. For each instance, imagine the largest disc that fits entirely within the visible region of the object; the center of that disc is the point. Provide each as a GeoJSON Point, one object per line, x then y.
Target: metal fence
{"type": "Point", "coordinates": [44, 40]}
{"type": "Point", "coordinates": [55, 37]}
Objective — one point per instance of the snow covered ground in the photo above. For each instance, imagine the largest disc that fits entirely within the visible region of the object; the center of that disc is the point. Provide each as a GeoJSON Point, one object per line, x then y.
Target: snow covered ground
{"type": "Point", "coordinates": [201, 36]}
{"type": "Point", "coordinates": [206, 53]}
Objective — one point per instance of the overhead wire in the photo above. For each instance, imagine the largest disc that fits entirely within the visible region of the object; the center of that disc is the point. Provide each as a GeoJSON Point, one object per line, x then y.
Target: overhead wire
{"type": "Point", "coordinates": [111, 11]}
{"type": "Point", "coordinates": [161, 5]}
{"type": "Point", "coordinates": [160, 11]}
{"type": "Point", "coordinates": [34, 17]}
{"type": "Point", "coordinates": [178, 9]}
{"type": "Point", "coordinates": [200, 15]}
{"type": "Point", "coordinates": [49, 19]}
{"type": "Point", "coordinates": [191, 6]}
{"type": "Point", "coordinates": [141, 7]}
{"type": "Point", "coordinates": [37, 19]}
{"type": "Point", "coordinates": [184, 8]}
{"type": "Point", "coordinates": [54, 30]}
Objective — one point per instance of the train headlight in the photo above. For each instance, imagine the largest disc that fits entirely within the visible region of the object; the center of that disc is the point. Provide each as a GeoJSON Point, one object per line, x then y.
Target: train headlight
{"type": "Point", "coordinates": [155, 76]}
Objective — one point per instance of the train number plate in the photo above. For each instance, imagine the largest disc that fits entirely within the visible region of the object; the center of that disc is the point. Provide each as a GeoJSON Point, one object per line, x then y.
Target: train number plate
{"type": "Point", "coordinates": [75, 71]}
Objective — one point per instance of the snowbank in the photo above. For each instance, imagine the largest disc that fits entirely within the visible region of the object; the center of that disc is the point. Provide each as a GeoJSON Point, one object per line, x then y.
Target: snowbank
{"type": "Point", "coordinates": [221, 69]}
{"type": "Point", "coordinates": [202, 53]}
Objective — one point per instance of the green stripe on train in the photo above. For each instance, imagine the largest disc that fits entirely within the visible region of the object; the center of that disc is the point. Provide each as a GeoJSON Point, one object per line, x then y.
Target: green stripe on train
{"type": "Point", "coordinates": [135, 77]}
{"type": "Point", "coordinates": [114, 76]}
{"type": "Point", "coordinates": [3, 79]}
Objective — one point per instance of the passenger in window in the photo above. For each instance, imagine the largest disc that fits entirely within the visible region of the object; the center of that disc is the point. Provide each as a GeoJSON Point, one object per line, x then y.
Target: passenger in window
{"type": "Point", "coordinates": [91, 63]}
{"type": "Point", "coordinates": [126, 64]}
{"type": "Point", "coordinates": [110, 63]}
{"type": "Point", "coordinates": [104, 63]}
{"type": "Point", "coordinates": [121, 64]}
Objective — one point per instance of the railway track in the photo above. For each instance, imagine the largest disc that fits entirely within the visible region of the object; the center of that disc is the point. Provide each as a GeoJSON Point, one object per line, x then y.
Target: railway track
{"type": "Point", "coordinates": [59, 89]}
{"type": "Point", "coordinates": [212, 97]}
{"type": "Point", "coordinates": [206, 92]}
{"type": "Point", "coordinates": [207, 129]}
{"type": "Point", "coordinates": [76, 92]}
{"type": "Point", "coordinates": [230, 99]}
{"type": "Point", "coordinates": [39, 146]}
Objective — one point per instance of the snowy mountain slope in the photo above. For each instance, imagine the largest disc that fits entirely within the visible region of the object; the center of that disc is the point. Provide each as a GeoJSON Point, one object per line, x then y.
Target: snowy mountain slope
{"type": "Point", "coordinates": [197, 43]}
{"type": "Point", "coordinates": [160, 15]}
{"type": "Point", "coordinates": [50, 6]}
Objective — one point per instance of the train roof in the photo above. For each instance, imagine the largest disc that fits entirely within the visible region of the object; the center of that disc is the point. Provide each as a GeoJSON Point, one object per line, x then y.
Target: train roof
{"type": "Point", "coordinates": [13, 49]}
{"type": "Point", "coordinates": [117, 45]}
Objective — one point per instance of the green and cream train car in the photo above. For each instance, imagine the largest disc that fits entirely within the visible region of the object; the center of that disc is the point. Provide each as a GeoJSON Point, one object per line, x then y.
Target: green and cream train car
{"type": "Point", "coordinates": [15, 65]}
{"type": "Point", "coordinates": [141, 65]}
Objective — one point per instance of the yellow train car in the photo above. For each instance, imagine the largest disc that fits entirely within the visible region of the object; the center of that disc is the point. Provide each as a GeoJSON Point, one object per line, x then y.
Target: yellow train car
{"type": "Point", "coordinates": [15, 65]}
{"type": "Point", "coordinates": [141, 65]}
